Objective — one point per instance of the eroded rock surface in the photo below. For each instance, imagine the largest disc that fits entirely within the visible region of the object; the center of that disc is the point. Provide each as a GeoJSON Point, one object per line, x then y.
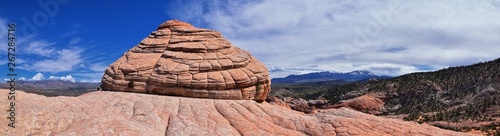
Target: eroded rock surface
{"type": "Point", "coordinates": [179, 59]}
{"type": "Point", "coordinates": [116, 113]}
{"type": "Point", "coordinates": [369, 103]}
{"type": "Point", "coordinates": [298, 104]}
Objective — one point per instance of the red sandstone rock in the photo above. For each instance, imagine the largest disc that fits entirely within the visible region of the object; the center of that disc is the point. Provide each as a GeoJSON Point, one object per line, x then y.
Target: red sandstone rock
{"type": "Point", "coordinates": [179, 59]}
{"type": "Point", "coordinates": [117, 113]}
{"type": "Point", "coordinates": [277, 101]}
{"type": "Point", "coordinates": [368, 103]}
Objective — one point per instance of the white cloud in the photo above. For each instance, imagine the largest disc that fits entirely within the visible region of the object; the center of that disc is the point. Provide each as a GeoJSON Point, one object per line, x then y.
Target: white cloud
{"type": "Point", "coordinates": [98, 67]}
{"type": "Point", "coordinates": [70, 33]}
{"type": "Point", "coordinates": [64, 78]}
{"type": "Point", "coordinates": [90, 76]}
{"type": "Point", "coordinates": [378, 68]}
{"type": "Point", "coordinates": [66, 60]}
{"type": "Point", "coordinates": [90, 81]}
{"type": "Point", "coordinates": [355, 35]}
{"type": "Point", "coordinates": [42, 48]}
{"type": "Point", "coordinates": [38, 76]}
{"type": "Point", "coordinates": [3, 62]}
{"type": "Point", "coordinates": [75, 40]}
{"type": "Point", "coordinates": [20, 61]}
{"type": "Point", "coordinates": [3, 34]}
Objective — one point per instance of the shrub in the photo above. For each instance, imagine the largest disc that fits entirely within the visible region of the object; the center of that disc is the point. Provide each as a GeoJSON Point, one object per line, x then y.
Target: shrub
{"type": "Point", "coordinates": [131, 84]}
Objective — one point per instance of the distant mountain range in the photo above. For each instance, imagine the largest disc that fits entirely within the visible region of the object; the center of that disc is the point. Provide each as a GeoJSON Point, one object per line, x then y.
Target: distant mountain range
{"type": "Point", "coordinates": [54, 87]}
{"type": "Point", "coordinates": [459, 98]}
{"type": "Point", "coordinates": [328, 76]}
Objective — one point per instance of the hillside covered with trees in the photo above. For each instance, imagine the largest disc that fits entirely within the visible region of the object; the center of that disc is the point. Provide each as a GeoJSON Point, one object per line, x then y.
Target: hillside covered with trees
{"type": "Point", "coordinates": [459, 98]}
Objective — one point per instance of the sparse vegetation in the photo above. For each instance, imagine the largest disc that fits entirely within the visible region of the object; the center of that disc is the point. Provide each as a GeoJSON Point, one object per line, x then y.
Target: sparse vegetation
{"type": "Point", "coordinates": [306, 91]}
{"type": "Point", "coordinates": [455, 94]}
{"type": "Point", "coordinates": [130, 84]}
{"type": "Point", "coordinates": [257, 87]}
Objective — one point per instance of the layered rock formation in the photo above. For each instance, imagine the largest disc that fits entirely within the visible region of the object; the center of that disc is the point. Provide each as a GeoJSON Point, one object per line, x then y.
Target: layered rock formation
{"type": "Point", "coordinates": [179, 59]}
{"type": "Point", "coordinates": [116, 113]}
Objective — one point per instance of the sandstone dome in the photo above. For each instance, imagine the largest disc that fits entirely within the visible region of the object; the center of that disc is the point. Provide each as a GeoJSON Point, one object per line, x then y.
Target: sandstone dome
{"type": "Point", "coordinates": [181, 60]}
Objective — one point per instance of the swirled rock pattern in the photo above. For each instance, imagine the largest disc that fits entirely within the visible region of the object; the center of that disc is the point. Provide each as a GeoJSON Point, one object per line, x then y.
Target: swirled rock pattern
{"type": "Point", "coordinates": [179, 59]}
{"type": "Point", "coordinates": [134, 114]}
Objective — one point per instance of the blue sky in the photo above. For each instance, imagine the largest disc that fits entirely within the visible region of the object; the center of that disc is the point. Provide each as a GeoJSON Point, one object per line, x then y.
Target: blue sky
{"type": "Point", "coordinates": [388, 37]}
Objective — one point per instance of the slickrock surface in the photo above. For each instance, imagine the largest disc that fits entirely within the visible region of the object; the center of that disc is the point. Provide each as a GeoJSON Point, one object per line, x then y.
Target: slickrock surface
{"type": "Point", "coordinates": [117, 113]}
{"type": "Point", "coordinates": [179, 59]}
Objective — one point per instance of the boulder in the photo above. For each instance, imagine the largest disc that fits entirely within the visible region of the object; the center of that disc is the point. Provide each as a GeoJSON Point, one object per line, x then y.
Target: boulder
{"type": "Point", "coordinates": [179, 59]}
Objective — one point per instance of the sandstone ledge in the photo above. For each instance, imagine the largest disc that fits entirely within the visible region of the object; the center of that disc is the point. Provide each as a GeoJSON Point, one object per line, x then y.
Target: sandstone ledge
{"type": "Point", "coordinates": [118, 113]}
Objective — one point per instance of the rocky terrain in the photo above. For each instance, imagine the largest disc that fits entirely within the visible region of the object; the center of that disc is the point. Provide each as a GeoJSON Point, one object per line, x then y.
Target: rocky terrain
{"type": "Point", "coordinates": [121, 113]}
{"type": "Point", "coordinates": [368, 103]}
